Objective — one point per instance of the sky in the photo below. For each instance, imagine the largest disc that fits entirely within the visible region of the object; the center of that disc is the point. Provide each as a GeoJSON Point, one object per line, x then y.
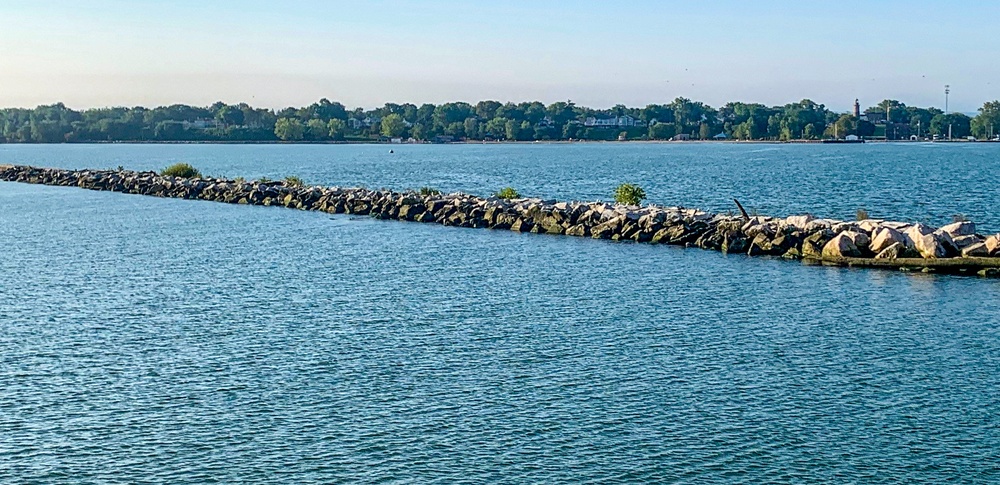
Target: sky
{"type": "Point", "coordinates": [366, 53]}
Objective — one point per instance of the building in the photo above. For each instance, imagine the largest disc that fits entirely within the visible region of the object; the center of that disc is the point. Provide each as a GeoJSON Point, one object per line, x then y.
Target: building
{"type": "Point", "coordinates": [613, 122]}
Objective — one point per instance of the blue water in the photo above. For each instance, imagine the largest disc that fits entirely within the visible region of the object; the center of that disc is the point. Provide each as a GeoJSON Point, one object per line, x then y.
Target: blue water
{"type": "Point", "coordinates": [160, 340]}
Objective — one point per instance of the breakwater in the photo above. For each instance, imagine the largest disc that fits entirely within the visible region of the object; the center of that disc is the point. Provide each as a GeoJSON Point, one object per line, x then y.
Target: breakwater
{"type": "Point", "coordinates": [955, 248]}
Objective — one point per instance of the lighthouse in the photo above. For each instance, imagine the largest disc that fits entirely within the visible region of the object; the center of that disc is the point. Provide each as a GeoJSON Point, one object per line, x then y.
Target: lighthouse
{"type": "Point", "coordinates": [857, 108]}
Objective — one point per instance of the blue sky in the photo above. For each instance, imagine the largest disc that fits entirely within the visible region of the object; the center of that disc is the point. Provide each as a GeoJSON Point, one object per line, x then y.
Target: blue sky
{"type": "Point", "coordinates": [597, 53]}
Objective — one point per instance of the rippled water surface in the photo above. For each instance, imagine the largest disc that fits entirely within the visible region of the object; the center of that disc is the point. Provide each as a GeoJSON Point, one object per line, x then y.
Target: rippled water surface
{"type": "Point", "coordinates": [161, 340]}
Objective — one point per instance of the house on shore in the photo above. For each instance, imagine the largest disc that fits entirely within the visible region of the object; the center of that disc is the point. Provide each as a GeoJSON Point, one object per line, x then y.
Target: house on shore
{"type": "Point", "coordinates": [625, 121]}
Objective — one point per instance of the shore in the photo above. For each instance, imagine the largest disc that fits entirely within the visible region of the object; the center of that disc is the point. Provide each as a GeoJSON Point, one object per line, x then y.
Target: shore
{"type": "Point", "coordinates": [492, 142]}
{"type": "Point", "coordinates": [955, 248]}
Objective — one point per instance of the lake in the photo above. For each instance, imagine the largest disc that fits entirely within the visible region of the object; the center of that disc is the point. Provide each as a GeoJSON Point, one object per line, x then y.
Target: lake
{"type": "Point", "coordinates": [163, 340]}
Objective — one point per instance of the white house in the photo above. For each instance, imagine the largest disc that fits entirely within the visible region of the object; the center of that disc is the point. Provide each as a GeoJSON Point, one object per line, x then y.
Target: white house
{"type": "Point", "coordinates": [617, 121]}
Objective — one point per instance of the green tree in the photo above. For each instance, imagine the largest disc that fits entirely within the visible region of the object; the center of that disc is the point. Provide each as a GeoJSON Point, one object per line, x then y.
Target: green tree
{"type": "Point", "coordinates": [336, 129]}
{"type": "Point", "coordinates": [418, 132]}
{"type": "Point", "coordinates": [471, 127]}
{"type": "Point", "coordinates": [959, 124]}
{"type": "Point", "coordinates": [704, 132]}
{"type": "Point", "coordinates": [393, 126]}
{"type": "Point", "coordinates": [662, 131]}
{"type": "Point", "coordinates": [289, 129]}
{"type": "Point", "coordinates": [316, 130]}
{"type": "Point", "coordinates": [230, 115]}
{"type": "Point", "coordinates": [629, 194]}
{"type": "Point", "coordinates": [845, 125]}
{"type": "Point", "coordinates": [987, 123]}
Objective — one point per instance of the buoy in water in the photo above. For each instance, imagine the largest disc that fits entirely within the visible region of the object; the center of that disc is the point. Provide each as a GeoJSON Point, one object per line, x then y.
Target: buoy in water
{"type": "Point", "coordinates": [390, 151]}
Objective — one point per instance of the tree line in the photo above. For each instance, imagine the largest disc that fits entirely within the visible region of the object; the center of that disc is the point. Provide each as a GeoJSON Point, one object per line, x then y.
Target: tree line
{"type": "Point", "coordinates": [487, 120]}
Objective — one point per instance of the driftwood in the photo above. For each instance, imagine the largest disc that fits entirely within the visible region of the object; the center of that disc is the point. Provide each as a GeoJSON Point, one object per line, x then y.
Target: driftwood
{"type": "Point", "coordinates": [746, 217]}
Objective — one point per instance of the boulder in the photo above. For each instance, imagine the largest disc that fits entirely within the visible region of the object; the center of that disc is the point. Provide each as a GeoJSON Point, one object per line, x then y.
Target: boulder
{"type": "Point", "coordinates": [962, 242]}
{"type": "Point", "coordinates": [792, 253]}
{"type": "Point", "coordinates": [607, 229]}
{"type": "Point", "coordinates": [870, 226]}
{"type": "Point", "coordinates": [841, 246]}
{"type": "Point", "coordinates": [989, 272]}
{"type": "Point", "coordinates": [521, 225]}
{"type": "Point", "coordinates": [915, 231]}
{"type": "Point", "coordinates": [961, 228]}
{"type": "Point", "coordinates": [951, 249]}
{"type": "Point", "coordinates": [884, 238]}
{"type": "Point", "coordinates": [993, 244]}
{"type": "Point", "coordinates": [893, 251]}
{"type": "Point", "coordinates": [860, 239]}
{"type": "Point", "coordinates": [579, 230]}
{"type": "Point", "coordinates": [977, 250]}
{"type": "Point", "coordinates": [930, 246]}
{"type": "Point", "coordinates": [817, 225]}
{"type": "Point", "coordinates": [734, 243]}
{"type": "Point", "coordinates": [812, 245]}
{"type": "Point", "coordinates": [846, 226]}
{"type": "Point", "coordinates": [761, 244]}
{"type": "Point", "coordinates": [798, 222]}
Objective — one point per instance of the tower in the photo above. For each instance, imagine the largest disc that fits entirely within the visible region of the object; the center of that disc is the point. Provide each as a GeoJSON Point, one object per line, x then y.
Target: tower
{"type": "Point", "coordinates": [857, 108]}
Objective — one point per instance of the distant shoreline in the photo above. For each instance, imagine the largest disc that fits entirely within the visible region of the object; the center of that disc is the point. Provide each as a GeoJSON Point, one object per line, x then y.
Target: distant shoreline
{"type": "Point", "coordinates": [475, 142]}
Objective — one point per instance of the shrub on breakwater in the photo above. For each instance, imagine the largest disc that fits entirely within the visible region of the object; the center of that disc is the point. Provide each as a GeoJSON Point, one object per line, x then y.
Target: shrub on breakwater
{"type": "Point", "coordinates": [184, 170]}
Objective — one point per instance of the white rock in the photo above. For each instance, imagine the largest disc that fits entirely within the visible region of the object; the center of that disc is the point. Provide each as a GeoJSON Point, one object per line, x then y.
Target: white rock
{"type": "Point", "coordinates": [993, 244]}
{"type": "Point", "coordinates": [798, 222]}
{"type": "Point", "coordinates": [886, 237]}
{"type": "Point", "coordinates": [962, 228]}
{"type": "Point", "coordinates": [931, 246]}
{"type": "Point", "coordinates": [841, 246]}
{"type": "Point", "coordinates": [914, 232]}
{"type": "Point", "coordinates": [870, 225]}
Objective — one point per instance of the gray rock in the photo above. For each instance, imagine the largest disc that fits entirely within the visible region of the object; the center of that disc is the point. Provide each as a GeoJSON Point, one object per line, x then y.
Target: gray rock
{"type": "Point", "coordinates": [977, 250]}
{"type": "Point", "coordinates": [962, 242]}
{"type": "Point", "coordinates": [860, 239]}
{"type": "Point", "coordinates": [812, 245]}
{"type": "Point", "coordinates": [893, 251]}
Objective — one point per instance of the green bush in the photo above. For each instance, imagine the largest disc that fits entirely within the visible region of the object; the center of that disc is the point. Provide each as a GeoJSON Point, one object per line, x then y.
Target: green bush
{"type": "Point", "coordinates": [293, 181]}
{"type": "Point", "coordinates": [181, 170]}
{"type": "Point", "coordinates": [426, 191]}
{"type": "Point", "coordinates": [508, 193]}
{"type": "Point", "coordinates": [629, 194]}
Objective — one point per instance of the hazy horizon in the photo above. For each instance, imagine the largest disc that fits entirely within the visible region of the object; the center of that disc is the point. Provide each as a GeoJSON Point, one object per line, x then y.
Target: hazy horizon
{"type": "Point", "coordinates": [152, 53]}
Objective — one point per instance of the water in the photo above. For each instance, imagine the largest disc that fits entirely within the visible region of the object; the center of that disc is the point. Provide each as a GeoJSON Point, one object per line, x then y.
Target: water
{"type": "Point", "coordinates": [161, 340]}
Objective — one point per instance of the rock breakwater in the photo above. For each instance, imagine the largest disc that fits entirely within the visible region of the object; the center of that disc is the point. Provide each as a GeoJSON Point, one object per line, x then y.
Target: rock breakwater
{"type": "Point", "coordinates": [955, 248]}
